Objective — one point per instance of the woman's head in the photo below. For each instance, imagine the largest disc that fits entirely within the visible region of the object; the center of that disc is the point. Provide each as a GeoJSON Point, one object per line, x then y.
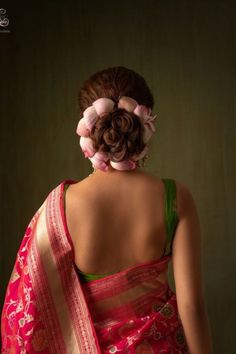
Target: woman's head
{"type": "Point", "coordinates": [120, 134]}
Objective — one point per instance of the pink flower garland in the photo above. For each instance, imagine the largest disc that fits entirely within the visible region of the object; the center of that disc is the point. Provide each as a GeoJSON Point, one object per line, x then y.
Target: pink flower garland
{"type": "Point", "coordinates": [103, 106]}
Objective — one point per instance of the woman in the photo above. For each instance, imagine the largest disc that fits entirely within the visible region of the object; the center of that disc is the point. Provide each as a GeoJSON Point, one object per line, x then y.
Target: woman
{"type": "Point", "coordinates": [91, 272]}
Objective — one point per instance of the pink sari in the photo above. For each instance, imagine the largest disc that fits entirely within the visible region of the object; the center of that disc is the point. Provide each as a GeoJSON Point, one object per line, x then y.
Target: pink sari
{"type": "Point", "coordinates": [48, 310]}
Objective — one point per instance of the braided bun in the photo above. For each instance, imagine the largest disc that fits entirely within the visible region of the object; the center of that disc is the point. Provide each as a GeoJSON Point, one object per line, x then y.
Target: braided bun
{"type": "Point", "coordinates": [119, 134]}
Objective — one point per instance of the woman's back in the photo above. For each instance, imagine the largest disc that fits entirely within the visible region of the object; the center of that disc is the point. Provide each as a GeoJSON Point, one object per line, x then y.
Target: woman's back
{"type": "Point", "coordinates": [116, 220]}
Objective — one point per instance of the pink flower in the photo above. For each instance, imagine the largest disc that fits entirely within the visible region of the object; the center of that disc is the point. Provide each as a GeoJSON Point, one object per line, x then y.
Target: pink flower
{"type": "Point", "coordinates": [123, 165]}
{"type": "Point", "coordinates": [147, 119]}
{"type": "Point", "coordinates": [99, 160]}
{"type": "Point", "coordinates": [82, 128]}
{"type": "Point", "coordinates": [142, 111]}
{"type": "Point", "coordinates": [86, 144]}
{"type": "Point", "coordinates": [127, 103]}
{"type": "Point", "coordinates": [103, 105]}
{"type": "Point", "coordinates": [90, 117]}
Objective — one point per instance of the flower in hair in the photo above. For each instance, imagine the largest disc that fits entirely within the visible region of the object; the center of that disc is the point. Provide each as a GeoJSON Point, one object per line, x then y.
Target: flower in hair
{"type": "Point", "coordinates": [100, 107]}
{"type": "Point", "coordinates": [145, 114]}
{"type": "Point", "coordinates": [99, 160]}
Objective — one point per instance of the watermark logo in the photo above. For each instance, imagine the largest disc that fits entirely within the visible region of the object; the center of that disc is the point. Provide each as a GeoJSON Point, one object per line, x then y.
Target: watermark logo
{"type": "Point", "coordinates": [4, 20]}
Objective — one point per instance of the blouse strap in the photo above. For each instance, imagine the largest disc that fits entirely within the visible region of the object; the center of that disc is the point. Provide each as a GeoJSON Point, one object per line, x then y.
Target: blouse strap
{"type": "Point", "coordinates": [171, 216]}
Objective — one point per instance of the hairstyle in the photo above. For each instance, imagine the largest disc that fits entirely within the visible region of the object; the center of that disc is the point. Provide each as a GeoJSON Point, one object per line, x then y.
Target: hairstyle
{"type": "Point", "coordinates": [118, 133]}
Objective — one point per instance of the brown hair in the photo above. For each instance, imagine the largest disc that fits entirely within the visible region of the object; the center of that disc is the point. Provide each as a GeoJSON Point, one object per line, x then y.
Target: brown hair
{"type": "Point", "coordinates": [119, 133]}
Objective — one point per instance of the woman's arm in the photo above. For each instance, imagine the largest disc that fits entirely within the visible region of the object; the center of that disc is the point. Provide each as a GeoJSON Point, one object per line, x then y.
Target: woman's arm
{"type": "Point", "coordinates": [187, 269]}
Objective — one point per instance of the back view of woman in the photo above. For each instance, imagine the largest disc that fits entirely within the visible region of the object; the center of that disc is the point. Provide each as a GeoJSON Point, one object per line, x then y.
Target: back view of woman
{"type": "Point", "coordinates": [99, 248]}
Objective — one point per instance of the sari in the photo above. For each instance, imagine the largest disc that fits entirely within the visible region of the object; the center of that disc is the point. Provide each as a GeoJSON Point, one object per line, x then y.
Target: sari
{"type": "Point", "coordinates": [47, 309]}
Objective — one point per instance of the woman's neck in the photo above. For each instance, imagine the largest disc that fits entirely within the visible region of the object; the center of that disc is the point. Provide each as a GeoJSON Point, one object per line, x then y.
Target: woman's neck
{"type": "Point", "coordinates": [113, 172]}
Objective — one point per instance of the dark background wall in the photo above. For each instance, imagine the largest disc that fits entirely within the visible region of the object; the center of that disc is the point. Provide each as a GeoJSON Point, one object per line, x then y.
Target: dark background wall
{"type": "Point", "coordinates": [186, 52]}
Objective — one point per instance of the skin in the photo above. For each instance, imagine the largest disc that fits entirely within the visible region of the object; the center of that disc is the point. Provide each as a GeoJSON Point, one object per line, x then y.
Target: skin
{"type": "Point", "coordinates": [116, 220]}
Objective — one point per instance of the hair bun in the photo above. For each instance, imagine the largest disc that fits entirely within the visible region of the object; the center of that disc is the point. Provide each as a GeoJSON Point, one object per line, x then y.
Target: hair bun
{"type": "Point", "coordinates": [119, 133]}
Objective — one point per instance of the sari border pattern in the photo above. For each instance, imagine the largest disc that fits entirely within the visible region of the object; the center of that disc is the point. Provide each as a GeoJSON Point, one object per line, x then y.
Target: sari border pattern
{"type": "Point", "coordinates": [44, 298]}
{"type": "Point", "coordinates": [80, 319]}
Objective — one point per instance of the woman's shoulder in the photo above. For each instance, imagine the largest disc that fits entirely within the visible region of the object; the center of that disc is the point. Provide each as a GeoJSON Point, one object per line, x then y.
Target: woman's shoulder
{"type": "Point", "coordinates": [184, 197]}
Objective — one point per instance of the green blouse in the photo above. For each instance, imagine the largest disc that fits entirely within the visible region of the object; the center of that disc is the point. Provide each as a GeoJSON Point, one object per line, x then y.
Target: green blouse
{"type": "Point", "coordinates": [171, 219]}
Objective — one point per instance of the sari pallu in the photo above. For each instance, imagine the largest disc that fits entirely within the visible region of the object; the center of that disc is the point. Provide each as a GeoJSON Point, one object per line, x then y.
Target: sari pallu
{"type": "Point", "coordinates": [48, 310]}
{"type": "Point", "coordinates": [44, 309]}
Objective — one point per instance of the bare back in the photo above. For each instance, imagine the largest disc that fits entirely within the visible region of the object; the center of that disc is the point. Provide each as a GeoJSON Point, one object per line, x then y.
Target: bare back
{"type": "Point", "coordinates": [116, 221]}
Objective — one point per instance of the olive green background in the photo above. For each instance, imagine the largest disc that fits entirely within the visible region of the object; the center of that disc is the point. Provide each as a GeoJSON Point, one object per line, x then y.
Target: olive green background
{"type": "Point", "coordinates": [186, 52]}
